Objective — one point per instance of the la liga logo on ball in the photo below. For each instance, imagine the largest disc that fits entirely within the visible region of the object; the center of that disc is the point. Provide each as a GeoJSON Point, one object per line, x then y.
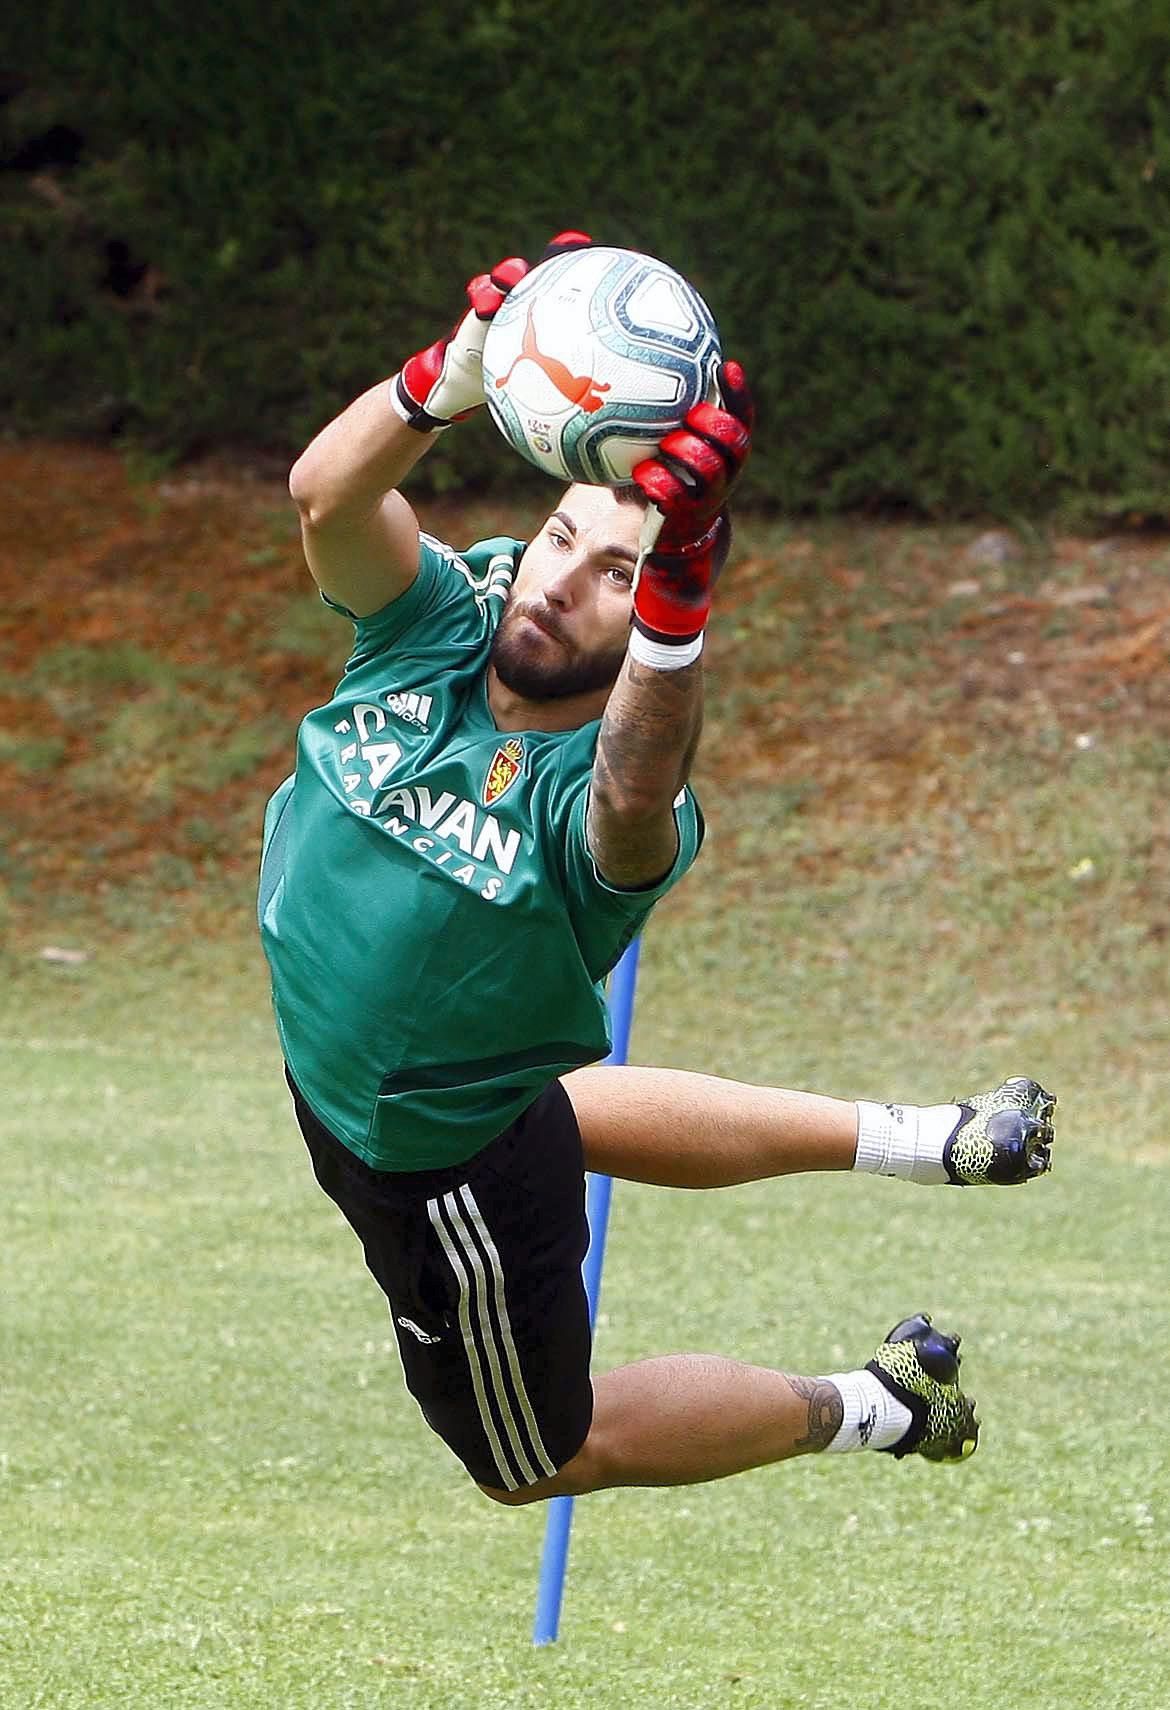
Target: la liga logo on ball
{"type": "Point", "coordinates": [593, 357]}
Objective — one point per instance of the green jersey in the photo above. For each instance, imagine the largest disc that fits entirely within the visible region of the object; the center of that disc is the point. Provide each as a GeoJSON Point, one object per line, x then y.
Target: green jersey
{"type": "Point", "coordinates": [437, 932]}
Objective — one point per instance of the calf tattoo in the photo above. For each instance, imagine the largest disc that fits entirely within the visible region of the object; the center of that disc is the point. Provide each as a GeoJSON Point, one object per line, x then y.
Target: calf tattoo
{"type": "Point", "coordinates": [825, 1411]}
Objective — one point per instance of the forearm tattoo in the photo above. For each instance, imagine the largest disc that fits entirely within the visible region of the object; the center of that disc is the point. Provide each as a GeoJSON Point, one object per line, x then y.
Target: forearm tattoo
{"type": "Point", "coordinates": [649, 722]}
{"type": "Point", "coordinates": [647, 740]}
{"type": "Point", "coordinates": [825, 1411]}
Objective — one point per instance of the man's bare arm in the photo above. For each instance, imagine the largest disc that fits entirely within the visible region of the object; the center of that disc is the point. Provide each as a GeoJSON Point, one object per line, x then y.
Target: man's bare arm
{"type": "Point", "coordinates": [645, 747]}
{"type": "Point", "coordinates": [359, 533]}
{"type": "Point", "coordinates": [651, 726]}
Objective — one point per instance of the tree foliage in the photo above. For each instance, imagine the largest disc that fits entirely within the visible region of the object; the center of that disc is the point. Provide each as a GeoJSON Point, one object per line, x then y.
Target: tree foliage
{"type": "Point", "coordinates": [936, 233]}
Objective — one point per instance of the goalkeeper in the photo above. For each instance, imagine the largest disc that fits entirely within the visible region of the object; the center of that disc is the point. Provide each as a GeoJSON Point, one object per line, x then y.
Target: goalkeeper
{"type": "Point", "coordinates": [480, 820]}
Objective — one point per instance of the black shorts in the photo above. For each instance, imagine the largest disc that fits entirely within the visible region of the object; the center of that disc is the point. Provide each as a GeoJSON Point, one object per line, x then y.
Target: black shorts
{"type": "Point", "coordinates": [481, 1264]}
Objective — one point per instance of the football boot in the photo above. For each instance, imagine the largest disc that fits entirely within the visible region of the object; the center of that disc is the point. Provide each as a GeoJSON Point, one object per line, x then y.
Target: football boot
{"type": "Point", "coordinates": [1002, 1137]}
{"type": "Point", "coordinates": [919, 1365]}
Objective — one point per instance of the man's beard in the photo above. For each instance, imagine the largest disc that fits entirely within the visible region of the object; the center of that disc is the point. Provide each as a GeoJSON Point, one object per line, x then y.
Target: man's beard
{"type": "Point", "coordinates": [539, 677]}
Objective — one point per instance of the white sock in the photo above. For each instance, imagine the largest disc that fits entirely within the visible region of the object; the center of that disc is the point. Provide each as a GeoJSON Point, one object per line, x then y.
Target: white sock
{"type": "Point", "coordinates": [874, 1419]}
{"type": "Point", "coordinates": [905, 1140]}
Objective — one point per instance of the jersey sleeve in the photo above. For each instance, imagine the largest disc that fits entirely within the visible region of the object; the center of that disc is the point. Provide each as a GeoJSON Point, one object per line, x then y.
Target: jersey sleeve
{"type": "Point", "coordinates": [606, 918]}
{"type": "Point", "coordinates": [456, 598]}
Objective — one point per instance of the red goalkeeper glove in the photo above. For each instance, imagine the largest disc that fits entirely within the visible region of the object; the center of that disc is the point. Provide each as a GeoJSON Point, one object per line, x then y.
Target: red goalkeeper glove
{"type": "Point", "coordinates": [444, 382]}
{"type": "Point", "coordinates": [688, 482]}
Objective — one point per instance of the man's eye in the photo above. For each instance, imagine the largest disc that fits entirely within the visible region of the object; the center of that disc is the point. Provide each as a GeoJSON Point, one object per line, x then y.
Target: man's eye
{"type": "Point", "coordinates": [557, 538]}
{"type": "Point", "coordinates": [618, 574]}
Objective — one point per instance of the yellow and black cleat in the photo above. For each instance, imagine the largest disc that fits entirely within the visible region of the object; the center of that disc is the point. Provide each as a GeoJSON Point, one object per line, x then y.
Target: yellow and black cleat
{"type": "Point", "coordinates": [919, 1365]}
{"type": "Point", "coordinates": [1003, 1137]}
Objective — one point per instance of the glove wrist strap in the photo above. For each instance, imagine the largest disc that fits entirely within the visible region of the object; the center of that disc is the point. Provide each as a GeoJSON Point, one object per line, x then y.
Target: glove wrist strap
{"type": "Point", "coordinates": [412, 413]}
{"type": "Point", "coordinates": [662, 653]}
{"type": "Point", "coordinates": [666, 613]}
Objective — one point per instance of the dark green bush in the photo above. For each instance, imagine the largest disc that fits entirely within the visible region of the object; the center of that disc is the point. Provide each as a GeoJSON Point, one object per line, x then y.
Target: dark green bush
{"type": "Point", "coordinates": [937, 234]}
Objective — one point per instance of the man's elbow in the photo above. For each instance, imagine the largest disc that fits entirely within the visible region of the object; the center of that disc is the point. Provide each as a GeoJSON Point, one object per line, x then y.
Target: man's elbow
{"type": "Point", "coordinates": [306, 493]}
{"type": "Point", "coordinates": [638, 795]}
{"type": "Point", "coordinates": [629, 806]}
{"type": "Point", "coordinates": [631, 833]}
{"type": "Point", "coordinates": [632, 853]}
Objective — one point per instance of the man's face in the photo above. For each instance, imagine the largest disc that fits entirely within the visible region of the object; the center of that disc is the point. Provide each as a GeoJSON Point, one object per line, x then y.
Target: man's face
{"type": "Point", "coordinates": [567, 621]}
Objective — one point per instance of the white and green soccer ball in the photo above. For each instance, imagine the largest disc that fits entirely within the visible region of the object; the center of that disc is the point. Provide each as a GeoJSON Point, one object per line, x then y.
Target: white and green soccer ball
{"type": "Point", "coordinates": [593, 357]}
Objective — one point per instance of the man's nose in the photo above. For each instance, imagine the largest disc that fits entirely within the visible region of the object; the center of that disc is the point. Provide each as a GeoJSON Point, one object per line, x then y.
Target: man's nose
{"type": "Point", "coordinates": [562, 586]}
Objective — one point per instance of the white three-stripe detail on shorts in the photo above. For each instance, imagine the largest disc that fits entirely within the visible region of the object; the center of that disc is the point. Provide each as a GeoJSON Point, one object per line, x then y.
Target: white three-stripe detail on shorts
{"type": "Point", "coordinates": [510, 1481]}
{"type": "Point", "coordinates": [476, 1284]}
{"type": "Point", "coordinates": [513, 1358]}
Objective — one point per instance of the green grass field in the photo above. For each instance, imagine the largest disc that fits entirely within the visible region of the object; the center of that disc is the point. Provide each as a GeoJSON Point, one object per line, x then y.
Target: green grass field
{"type": "Point", "coordinates": [213, 1490]}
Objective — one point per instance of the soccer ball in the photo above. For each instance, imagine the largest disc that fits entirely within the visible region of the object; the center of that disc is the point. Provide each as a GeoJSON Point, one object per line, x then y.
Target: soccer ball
{"type": "Point", "coordinates": [593, 357]}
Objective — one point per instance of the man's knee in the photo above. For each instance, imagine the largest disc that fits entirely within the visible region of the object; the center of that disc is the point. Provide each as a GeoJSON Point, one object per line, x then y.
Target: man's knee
{"type": "Point", "coordinates": [578, 1476]}
{"type": "Point", "coordinates": [513, 1498]}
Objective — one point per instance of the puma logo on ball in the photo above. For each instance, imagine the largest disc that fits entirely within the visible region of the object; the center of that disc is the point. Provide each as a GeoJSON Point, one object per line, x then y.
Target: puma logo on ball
{"type": "Point", "coordinates": [580, 389]}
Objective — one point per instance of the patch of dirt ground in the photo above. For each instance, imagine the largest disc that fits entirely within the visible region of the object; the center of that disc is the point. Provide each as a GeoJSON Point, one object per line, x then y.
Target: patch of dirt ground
{"type": "Point", "coordinates": [158, 644]}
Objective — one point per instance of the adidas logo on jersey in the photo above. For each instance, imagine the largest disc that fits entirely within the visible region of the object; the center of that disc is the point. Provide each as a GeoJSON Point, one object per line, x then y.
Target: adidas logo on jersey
{"type": "Point", "coordinates": [411, 708]}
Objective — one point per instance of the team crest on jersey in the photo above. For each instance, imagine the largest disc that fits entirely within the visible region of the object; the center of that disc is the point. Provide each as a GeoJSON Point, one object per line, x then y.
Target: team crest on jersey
{"type": "Point", "coordinates": [503, 771]}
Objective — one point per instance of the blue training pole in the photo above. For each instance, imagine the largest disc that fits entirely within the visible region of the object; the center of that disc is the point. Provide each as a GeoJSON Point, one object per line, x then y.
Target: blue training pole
{"type": "Point", "coordinates": [598, 1192]}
